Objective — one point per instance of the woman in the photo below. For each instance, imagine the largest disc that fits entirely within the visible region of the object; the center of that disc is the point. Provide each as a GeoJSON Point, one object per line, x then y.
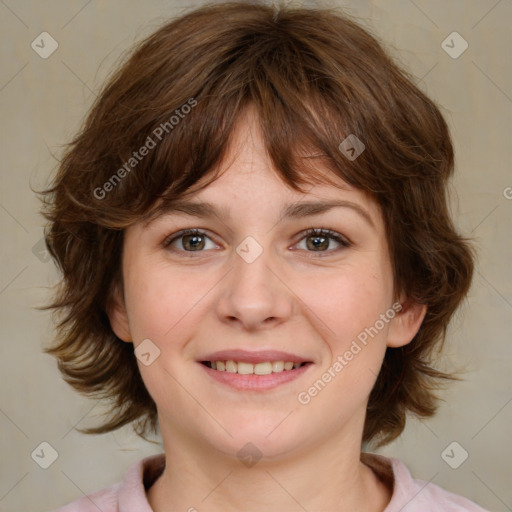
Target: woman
{"type": "Point", "coordinates": [258, 260]}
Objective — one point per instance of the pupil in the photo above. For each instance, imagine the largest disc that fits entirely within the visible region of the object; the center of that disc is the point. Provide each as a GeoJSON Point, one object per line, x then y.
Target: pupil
{"type": "Point", "coordinates": [194, 239]}
{"type": "Point", "coordinates": [315, 240]}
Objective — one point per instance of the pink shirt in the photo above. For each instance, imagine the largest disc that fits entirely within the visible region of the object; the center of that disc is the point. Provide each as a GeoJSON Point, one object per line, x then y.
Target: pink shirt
{"type": "Point", "coordinates": [409, 495]}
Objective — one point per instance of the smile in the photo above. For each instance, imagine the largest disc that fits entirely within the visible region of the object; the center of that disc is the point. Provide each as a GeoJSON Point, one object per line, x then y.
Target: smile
{"type": "Point", "coordinates": [244, 368]}
{"type": "Point", "coordinates": [255, 377]}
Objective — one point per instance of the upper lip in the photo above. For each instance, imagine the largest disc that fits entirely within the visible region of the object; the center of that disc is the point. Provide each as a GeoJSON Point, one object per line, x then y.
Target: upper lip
{"type": "Point", "coordinates": [261, 356]}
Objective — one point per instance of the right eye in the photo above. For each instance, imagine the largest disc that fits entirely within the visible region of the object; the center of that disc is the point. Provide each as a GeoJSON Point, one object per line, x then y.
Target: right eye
{"type": "Point", "coordinates": [192, 240]}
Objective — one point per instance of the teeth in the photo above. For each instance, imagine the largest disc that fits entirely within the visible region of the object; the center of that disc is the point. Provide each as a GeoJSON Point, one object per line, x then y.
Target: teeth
{"type": "Point", "coordinates": [277, 366]}
{"type": "Point", "coordinates": [231, 367]}
{"type": "Point", "coordinates": [243, 368]}
{"type": "Point", "coordinates": [262, 368]}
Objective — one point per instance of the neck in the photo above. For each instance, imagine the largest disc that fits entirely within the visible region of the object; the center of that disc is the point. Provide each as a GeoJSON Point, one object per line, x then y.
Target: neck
{"type": "Point", "coordinates": [198, 477]}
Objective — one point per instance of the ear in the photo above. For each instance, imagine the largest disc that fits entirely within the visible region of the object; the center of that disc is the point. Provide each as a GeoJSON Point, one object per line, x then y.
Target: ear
{"type": "Point", "coordinates": [406, 323]}
{"type": "Point", "coordinates": [118, 316]}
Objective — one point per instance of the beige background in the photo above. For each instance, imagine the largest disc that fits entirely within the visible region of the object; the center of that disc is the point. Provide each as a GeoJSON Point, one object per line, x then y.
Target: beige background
{"type": "Point", "coordinates": [43, 102]}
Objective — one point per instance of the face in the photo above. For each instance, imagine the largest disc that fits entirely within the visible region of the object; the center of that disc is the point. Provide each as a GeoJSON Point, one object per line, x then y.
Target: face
{"type": "Point", "coordinates": [228, 305]}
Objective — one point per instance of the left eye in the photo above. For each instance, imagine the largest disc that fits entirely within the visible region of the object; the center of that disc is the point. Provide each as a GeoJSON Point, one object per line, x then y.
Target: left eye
{"type": "Point", "coordinates": [320, 239]}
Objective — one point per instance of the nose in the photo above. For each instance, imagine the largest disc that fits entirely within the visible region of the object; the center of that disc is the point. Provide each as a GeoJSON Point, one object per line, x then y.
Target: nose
{"type": "Point", "coordinates": [254, 294]}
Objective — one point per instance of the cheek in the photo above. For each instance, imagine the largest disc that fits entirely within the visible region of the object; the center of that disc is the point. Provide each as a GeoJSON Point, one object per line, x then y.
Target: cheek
{"type": "Point", "coordinates": [169, 305]}
{"type": "Point", "coordinates": [348, 312]}
{"type": "Point", "coordinates": [158, 300]}
{"type": "Point", "coordinates": [164, 307]}
{"type": "Point", "coordinates": [349, 301]}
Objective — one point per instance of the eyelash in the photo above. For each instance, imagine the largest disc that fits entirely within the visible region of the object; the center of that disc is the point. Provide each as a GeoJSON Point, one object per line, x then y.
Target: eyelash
{"type": "Point", "coordinates": [320, 232]}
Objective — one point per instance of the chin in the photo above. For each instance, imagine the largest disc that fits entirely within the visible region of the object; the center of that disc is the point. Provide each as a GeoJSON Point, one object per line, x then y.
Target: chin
{"type": "Point", "coordinates": [259, 435]}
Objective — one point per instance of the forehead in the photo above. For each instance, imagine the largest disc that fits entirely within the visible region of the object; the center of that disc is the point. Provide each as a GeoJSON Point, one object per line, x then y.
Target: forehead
{"type": "Point", "coordinates": [263, 195]}
{"type": "Point", "coordinates": [246, 180]}
{"type": "Point", "coordinates": [247, 163]}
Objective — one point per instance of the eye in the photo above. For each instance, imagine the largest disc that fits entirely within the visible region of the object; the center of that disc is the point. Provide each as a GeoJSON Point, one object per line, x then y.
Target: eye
{"type": "Point", "coordinates": [195, 240]}
{"type": "Point", "coordinates": [319, 239]}
{"type": "Point", "coordinates": [192, 240]}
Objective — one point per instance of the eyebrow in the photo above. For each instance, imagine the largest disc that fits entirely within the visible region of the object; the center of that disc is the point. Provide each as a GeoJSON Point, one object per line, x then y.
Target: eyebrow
{"type": "Point", "coordinates": [299, 209]}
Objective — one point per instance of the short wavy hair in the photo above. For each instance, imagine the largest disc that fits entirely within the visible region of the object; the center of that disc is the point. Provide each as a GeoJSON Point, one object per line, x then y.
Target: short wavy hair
{"type": "Point", "coordinates": [314, 76]}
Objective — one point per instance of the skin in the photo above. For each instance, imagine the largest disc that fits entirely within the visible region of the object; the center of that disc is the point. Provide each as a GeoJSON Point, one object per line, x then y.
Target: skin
{"type": "Point", "coordinates": [293, 297]}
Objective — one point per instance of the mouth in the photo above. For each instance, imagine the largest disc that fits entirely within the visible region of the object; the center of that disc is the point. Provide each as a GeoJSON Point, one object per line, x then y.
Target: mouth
{"type": "Point", "coordinates": [254, 371]}
{"type": "Point", "coordinates": [244, 368]}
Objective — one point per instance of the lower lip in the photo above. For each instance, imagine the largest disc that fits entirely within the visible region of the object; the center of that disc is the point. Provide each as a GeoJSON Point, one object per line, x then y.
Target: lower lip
{"type": "Point", "coordinates": [256, 382]}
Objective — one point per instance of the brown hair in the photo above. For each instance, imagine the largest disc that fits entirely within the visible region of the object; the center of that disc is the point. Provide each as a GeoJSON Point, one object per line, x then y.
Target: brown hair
{"type": "Point", "coordinates": [314, 77]}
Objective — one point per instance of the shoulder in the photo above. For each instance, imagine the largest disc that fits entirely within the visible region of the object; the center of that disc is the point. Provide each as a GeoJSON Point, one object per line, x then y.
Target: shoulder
{"type": "Point", "coordinates": [128, 495]}
{"type": "Point", "coordinates": [412, 495]}
{"type": "Point", "coordinates": [105, 500]}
